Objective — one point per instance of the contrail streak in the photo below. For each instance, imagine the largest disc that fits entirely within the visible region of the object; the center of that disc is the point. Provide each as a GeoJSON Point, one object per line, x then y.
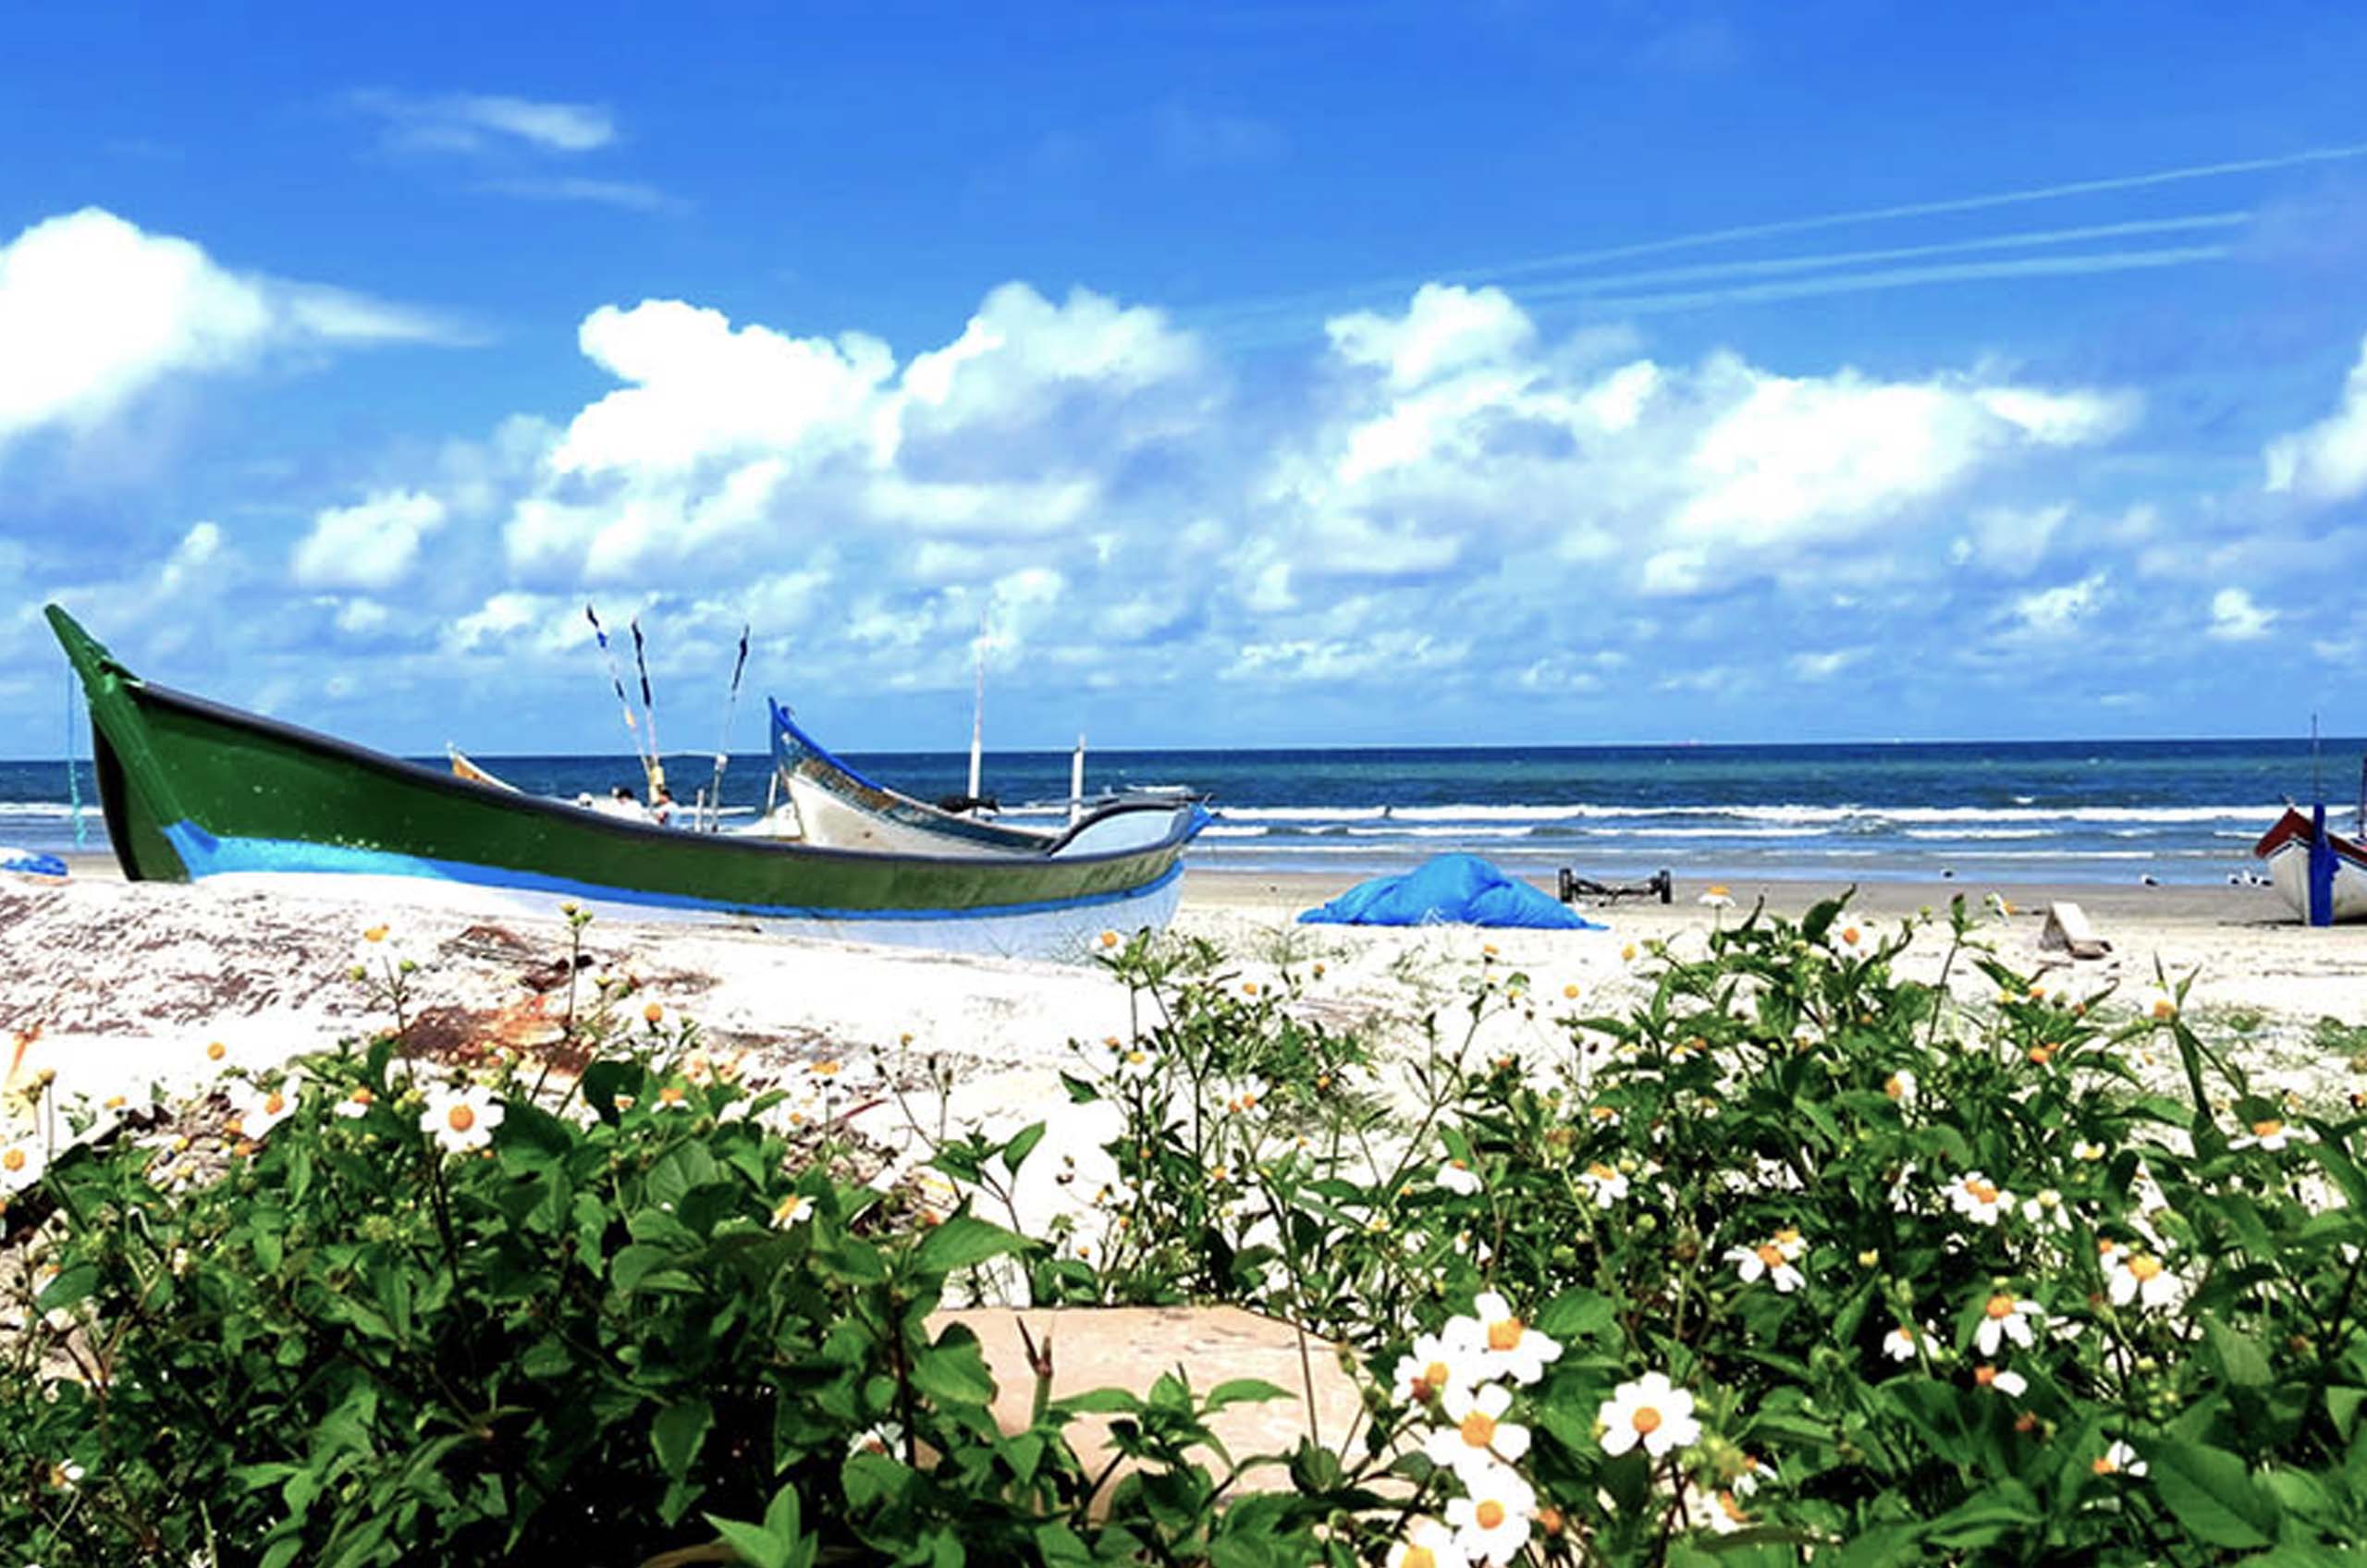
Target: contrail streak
{"type": "Point", "coordinates": [1905, 277]}
{"type": "Point", "coordinates": [1608, 283]}
{"type": "Point", "coordinates": [1331, 297]}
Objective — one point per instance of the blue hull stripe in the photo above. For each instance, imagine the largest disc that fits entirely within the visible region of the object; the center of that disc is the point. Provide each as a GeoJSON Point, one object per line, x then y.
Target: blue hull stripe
{"type": "Point", "coordinates": [206, 855]}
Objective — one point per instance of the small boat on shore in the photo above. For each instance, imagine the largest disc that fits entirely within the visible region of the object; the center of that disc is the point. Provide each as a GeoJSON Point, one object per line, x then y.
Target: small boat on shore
{"type": "Point", "coordinates": [194, 790]}
{"type": "Point", "coordinates": [2321, 873]}
{"type": "Point", "coordinates": [834, 804]}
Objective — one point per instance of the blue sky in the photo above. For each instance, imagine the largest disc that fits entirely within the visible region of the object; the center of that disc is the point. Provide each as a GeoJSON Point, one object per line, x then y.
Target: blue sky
{"type": "Point", "coordinates": [1302, 374]}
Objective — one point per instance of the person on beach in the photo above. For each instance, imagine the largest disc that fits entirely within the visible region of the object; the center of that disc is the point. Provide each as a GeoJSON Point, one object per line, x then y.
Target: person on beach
{"type": "Point", "coordinates": [661, 807]}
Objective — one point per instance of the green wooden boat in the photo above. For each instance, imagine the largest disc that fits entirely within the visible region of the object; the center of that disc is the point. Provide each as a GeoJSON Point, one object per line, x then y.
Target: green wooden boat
{"type": "Point", "coordinates": [194, 790]}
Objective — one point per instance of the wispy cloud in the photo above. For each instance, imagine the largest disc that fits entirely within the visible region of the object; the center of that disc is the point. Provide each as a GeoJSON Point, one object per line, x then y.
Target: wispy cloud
{"type": "Point", "coordinates": [628, 193]}
{"type": "Point", "coordinates": [463, 122]}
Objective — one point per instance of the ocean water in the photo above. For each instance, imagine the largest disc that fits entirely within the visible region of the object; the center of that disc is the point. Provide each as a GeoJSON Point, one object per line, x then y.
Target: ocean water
{"type": "Point", "coordinates": [2096, 812]}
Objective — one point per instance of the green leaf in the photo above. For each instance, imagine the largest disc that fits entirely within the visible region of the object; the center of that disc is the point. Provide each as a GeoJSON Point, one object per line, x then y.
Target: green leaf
{"type": "Point", "coordinates": [603, 1082]}
{"type": "Point", "coordinates": [2212, 1494]}
{"type": "Point", "coordinates": [962, 1243]}
{"type": "Point", "coordinates": [1015, 1152]}
{"type": "Point", "coordinates": [756, 1546]}
{"type": "Point", "coordinates": [1243, 1390]}
{"type": "Point", "coordinates": [677, 1432]}
{"type": "Point", "coordinates": [1576, 1314]}
{"type": "Point", "coordinates": [70, 1286]}
{"type": "Point", "coordinates": [954, 1372]}
{"type": "Point", "coordinates": [2240, 1360]}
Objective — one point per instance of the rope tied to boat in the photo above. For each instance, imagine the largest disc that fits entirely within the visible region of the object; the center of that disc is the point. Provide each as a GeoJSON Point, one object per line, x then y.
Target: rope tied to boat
{"type": "Point", "coordinates": [73, 778]}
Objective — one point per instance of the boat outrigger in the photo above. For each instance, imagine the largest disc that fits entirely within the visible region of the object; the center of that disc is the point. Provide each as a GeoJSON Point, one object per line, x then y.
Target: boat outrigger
{"type": "Point", "coordinates": [194, 790]}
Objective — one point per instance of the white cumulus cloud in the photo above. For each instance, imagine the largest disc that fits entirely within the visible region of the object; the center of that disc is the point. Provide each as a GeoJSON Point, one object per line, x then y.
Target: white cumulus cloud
{"type": "Point", "coordinates": [2235, 618]}
{"type": "Point", "coordinates": [95, 312]}
{"type": "Point", "coordinates": [2326, 461]}
{"type": "Point", "coordinates": [371, 545]}
{"type": "Point", "coordinates": [2053, 611]}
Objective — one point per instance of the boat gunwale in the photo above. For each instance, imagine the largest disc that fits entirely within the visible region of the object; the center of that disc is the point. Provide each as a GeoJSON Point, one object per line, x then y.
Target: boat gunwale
{"type": "Point", "coordinates": [139, 689]}
{"type": "Point", "coordinates": [2294, 830]}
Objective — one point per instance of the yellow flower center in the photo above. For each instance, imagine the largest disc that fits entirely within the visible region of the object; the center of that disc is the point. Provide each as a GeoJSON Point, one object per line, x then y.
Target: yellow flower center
{"type": "Point", "coordinates": [363, 1096]}
{"type": "Point", "coordinates": [1851, 935]}
{"type": "Point", "coordinates": [217, 1051]}
{"type": "Point", "coordinates": [1983, 1192]}
{"type": "Point", "coordinates": [2164, 1007]}
{"type": "Point", "coordinates": [1489, 1514]}
{"type": "Point", "coordinates": [1984, 1375]}
{"type": "Point", "coordinates": [1503, 1334]}
{"type": "Point", "coordinates": [1479, 1429]}
{"type": "Point", "coordinates": [1434, 1376]}
{"type": "Point", "coordinates": [375, 934]}
{"type": "Point", "coordinates": [1601, 1172]}
{"type": "Point", "coordinates": [13, 1160]}
{"type": "Point", "coordinates": [1894, 1086]}
{"type": "Point", "coordinates": [2105, 1466]}
{"type": "Point", "coordinates": [2144, 1267]}
{"type": "Point", "coordinates": [1421, 1557]}
{"type": "Point", "coordinates": [671, 1095]}
{"type": "Point", "coordinates": [274, 1103]}
{"type": "Point", "coordinates": [1646, 1420]}
{"type": "Point", "coordinates": [461, 1119]}
{"type": "Point", "coordinates": [1771, 1255]}
{"type": "Point", "coordinates": [1786, 1237]}
{"type": "Point", "coordinates": [2000, 1306]}
{"type": "Point", "coordinates": [2268, 1129]}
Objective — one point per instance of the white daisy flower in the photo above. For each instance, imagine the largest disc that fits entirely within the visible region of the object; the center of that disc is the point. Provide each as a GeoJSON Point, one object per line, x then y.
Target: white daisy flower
{"type": "Point", "coordinates": [1902, 1342]}
{"type": "Point", "coordinates": [2119, 1460]}
{"type": "Point", "coordinates": [1457, 1176]}
{"type": "Point", "coordinates": [792, 1210]}
{"type": "Point", "coordinates": [1435, 1364]}
{"type": "Point", "coordinates": [254, 1111]}
{"type": "Point", "coordinates": [461, 1119]}
{"type": "Point", "coordinates": [1979, 1199]}
{"type": "Point", "coordinates": [1900, 1086]}
{"type": "Point", "coordinates": [1491, 1521]}
{"type": "Point", "coordinates": [22, 1164]}
{"type": "Point", "coordinates": [1856, 939]}
{"type": "Point", "coordinates": [2091, 1153]}
{"type": "Point", "coordinates": [357, 1103]}
{"type": "Point", "coordinates": [2002, 1318]}
{"type": "Point", "coordinates": [1241, 1096]}
{"type": "Point", "coordinates": [2047, 1211]}
{"type": "Point", "coordinates": [1128, 1059]}
{"type": "Point", "coordinates": [1428, 1544]}
{"type": "Point", "coordinates": [673, 1097]}
{"type": "Point", "coordinates": [1650, 1411]}
{"type": "Point", "coordinates": [1480, 1435]}
{"type": "Point", "coordinates": [2011, 1383]}
{"type": "Point", "coordinates": [1508, 1346]}
{"type": "Point", "coordinates": [2273, 1135]}
{"type": "Point", "coordinates": [1603, 1183]}
{"type": "Point", "coordinates": [1766, 1259]}
{"type": "Point", "coordinates": [2140, 1277]}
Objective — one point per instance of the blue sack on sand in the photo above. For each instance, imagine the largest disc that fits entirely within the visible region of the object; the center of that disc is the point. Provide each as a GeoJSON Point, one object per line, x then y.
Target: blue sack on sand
{"type": "Point", "coordinates": [1447, 890]}
{"type": "Point", "coordinates": [31, 863]}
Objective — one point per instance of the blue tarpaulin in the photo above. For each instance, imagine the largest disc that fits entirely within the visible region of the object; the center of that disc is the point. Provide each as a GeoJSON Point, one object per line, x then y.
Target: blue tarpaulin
{"type": "Point", "coordinates": [1447, 890]}
{"type": "Point", "coordinates": [30, 862]}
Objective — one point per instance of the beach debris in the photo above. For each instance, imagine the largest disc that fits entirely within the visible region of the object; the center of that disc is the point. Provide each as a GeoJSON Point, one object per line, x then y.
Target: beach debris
{"type": "Point", "coordinates": [2067, 931]}
{"type": "Point", "coordinates": [1569, 887]}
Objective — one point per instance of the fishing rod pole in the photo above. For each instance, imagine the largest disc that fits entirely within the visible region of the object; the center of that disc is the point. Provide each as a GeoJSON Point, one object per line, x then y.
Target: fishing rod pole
{"type": "Point", "coordinates": [723, 742]}
{"type": "Point", "coordinates": [649, 712]}
{"type": "Point", "coordinates": [616, 682]}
